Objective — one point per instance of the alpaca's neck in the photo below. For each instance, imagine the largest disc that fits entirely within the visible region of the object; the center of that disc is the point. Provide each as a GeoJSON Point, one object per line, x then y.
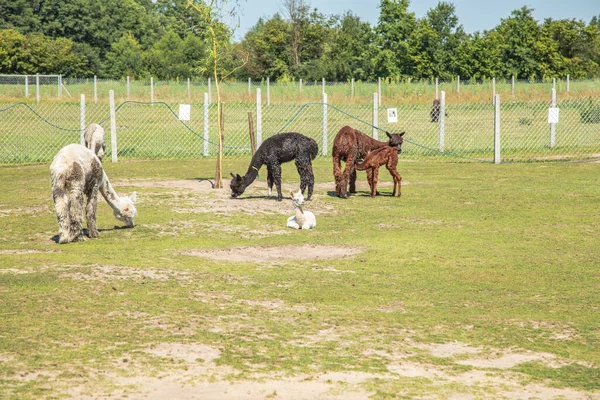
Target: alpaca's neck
{"type": "Point", "coordinates": [300, 218]}
{"type": "Point", "coordinates": [252, 172]}
{"type": "Point", "coordinates": [109, 194]}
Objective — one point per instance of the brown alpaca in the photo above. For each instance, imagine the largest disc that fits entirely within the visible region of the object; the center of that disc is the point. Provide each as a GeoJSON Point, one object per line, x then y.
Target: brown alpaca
{"type": "Point", "coordinates": [384, 155]}
{"type": "Point", "coordinates": [351, 145]}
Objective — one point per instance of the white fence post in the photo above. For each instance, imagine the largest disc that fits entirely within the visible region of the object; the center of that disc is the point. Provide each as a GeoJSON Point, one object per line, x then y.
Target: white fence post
{"type": "Point", "coordinates": [375, 116]}
{"type": "Point", "coordinates": [352, 88]}
{"type": "Point", "coordinates": [442, 122]}
{"type": "Point", "coordinates": [95, 90]}
{"type": "Point", "coordinates": [512, 86]}
{"type": "Point", "coordinates": [493, 88]}
{"type": "Point", "coordinates": [82, 120]}
{"type": "Point", "coordinates": [322, 85]}
{"type": "Point", "coordinates": [128, 87]}
{"type": "Point", "coordinates": [568, 83]}
{"type": "Point", "coordinates": [189, 89]}
{"type": "Point", "coordinates": [113, 125]}
{"type": "Point", "coordinates": [324, 126]}
{"type": "Point", "coordinates": [249, 85]}
{"type": "Point", "coordinates": [258, 118]}
{"type": "Point", "coordinates": [206, 124]}
{"type": "Point", "coordinates": [268, 91]}
{"type": "Point", "coordinates": [152, 90]}
{"type": "Point", "coordinates": [59, 86]}
{"type": "Point", "coordinates": [26, 86]}
{"type": "Point", "coordinates": [458, 84]}
{"type": "Point", "coordinates": [497, 129]}
{"type": "Point", "coordinates": [553, 125]}
{"type": "Point", "coordinates": [37, 87]}
{"type": "Point", "coordinates": [300, 85]}
{"type": "Point", "coordinates": [437, 87]}
{"type": "Point", "coordinates": [209, 92]}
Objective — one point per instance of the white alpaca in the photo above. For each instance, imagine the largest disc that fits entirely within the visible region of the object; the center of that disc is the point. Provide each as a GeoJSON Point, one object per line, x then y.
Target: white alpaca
{"type": "Point", "coordinates": [76, 171]}
{"type": "Point", "coordinates": [94, 139]}
{"type": "Point", "coordinates": [302, 219]}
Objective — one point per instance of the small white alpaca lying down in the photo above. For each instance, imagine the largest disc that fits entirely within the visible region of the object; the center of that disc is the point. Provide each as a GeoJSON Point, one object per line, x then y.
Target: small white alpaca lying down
{"type": "Point", "coordinates": [302, 219]}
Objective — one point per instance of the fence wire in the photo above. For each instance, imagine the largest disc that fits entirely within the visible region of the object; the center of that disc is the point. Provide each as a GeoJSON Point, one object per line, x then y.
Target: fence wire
{"type": "Point", "coordinates": [32, 133]}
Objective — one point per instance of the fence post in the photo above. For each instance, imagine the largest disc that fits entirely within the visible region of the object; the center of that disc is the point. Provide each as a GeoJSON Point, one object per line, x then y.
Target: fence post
{"type": "Point", "coordinates": [206, 124]}
{"type": "Point", "coordinates": [113, 125]}
{"type": "Point", "coordinates": [249, 85]}
{"type": "Point", "coordinates": [59, 86]}
{"type": "Point", "coordinates": [352, 88]}
{"type": "Point", "coordinates": [322, 85]}
{"type": "Point", "coordinates": [128, 87]}
{"type": "Point", "coordinates": [189, 89]}
{"type": "Point", "coordinates": [568, 83]}
{"type": "Point", "coordinates": [493, 87]}
{"type": "Point", "coordinates": [26, 86]}
{"type": "Point", "coordinates": [82, 120]}
{"type": "Point", "coordinates": [258, 118]}
{"type": "Point", "coordinates": [37, 87]}
{"type": "Point", "coordinates": [152, 90]}
{"type": "Point", "coordinates": [379, 91]}
{"type": "Point", "coordinates": [268, 91]}
{"type": "Point", "coordinates": [324, 127]}
{"type": "Point", "coordinates": [442, 123]}
{"type": "Point", "coordinates": [437, 93]}
{"type": "Point", "coordinates": [552, 125]}
{"type": "Point", "coordinates": [512, 86]}
{"type": "Point", "coordinates": [209, 92]}
{"type": "Point", "coordinates": [375, 116]}
{"type": "Point", "coordinates": [458, 84]}
{"type": "Point", "coordinates": [300, 85]}
{"type": "Point", "coordinates": [95, 90]}
{"type": "Point", "coordinates": [497, 129]}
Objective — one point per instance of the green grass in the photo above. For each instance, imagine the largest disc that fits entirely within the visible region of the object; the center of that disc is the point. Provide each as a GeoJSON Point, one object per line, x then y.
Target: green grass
{"type": "Point", "coordinates": [502, 257]}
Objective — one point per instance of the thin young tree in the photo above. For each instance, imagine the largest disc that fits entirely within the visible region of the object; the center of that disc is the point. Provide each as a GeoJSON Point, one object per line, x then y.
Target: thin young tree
{"type": "Point", "coordinates": [210, 13]}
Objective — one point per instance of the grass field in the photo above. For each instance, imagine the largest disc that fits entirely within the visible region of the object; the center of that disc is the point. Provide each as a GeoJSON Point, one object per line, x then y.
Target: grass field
{"type": "Point", "coordinates": [481, 281]}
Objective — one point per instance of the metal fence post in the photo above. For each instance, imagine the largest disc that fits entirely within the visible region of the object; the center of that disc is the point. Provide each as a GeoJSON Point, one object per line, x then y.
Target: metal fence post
{"type": "Point", "coordinates": [189, 89]}
{"type": "Point", "coordinates": [493, 87]}
{"type": "Point", "coordinates": [249, 85]}
{"type": "Point", "coordinates": [268, 91]}
{"type": "Point", "coordinates": [512, 86]}
{"type": "Point", "coordinates": [95, 89]}
{"type": "Point", "coordinates": [553, 125]}
{"type": "Point", "coordinates": [59, 86]}
{"type": "Point", "coordinates": [324, 126]}
{"type": "Point", "coordinates": [375, 115]}
{"type": "Point", "coordinates": [128, 87]}
{"type": "Point", "coordinates": [568, 83]}
{"type": "Point", "coordinates": [300, 85]}
{"type": "Point", "coordinates": [26, 86]}
{"type": "Point", "coordinates": [458, 84]}
{"type": "Point", "coordinates": [209, 92]}
{"type": "Point", "coordinates": [113, 125]}
{"type": "Point", "coordinates": [497, 129]}
{"type": "Point", "coordinates": [205, 124]}
{"type": "Point", "coordinates": [258, 118]}
{"type": "Point", "coordinates": [437, 92]}
{"type": "Point", "coordinates": [352, 88]}
{"type": "Point", "coordinates": [379, 91]}
{"type": "Point", "coordinates": [37, 87]}
{"type": "Point", "coordinates": [442, 122]}
{"type": "Point", "coordinates": [82, 120]}
{"type": "Point", "coordinates": [322, 85]}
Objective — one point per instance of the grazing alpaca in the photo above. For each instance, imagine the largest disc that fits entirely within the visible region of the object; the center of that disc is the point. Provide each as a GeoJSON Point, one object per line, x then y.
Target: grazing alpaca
{"type": "Point", "coordinates": [273, 152]}
{"type": "Point", "coordinates": [94, 139]}
{"type": "Point", "coordinates": [76, 171]}
{"type": "Point", "coordinates": [384, 155]}
{"type": "Point", "coordinates": [302, 219]}
{"type": "Point", "coordinates": [436, 109]}
{"type": "Point", "coordinates": [351, 145]}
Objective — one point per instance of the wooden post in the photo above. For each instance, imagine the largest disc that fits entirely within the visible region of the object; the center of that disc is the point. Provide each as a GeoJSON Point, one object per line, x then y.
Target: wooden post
{"type": "Point", "coordinates": [251, 130]}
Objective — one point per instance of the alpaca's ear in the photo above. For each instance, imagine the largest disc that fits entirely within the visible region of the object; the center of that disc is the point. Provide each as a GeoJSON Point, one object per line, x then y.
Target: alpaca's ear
{"type": "Point", "coordinates": [388, 134]}
{"type": "Point", "coordinates": [292, 193]}
{"type": "Point", "coordinates": [402, 134]}
{"type": "Point", "coordinates": [299, 191]}
{"type": "Point", "coordinates": [232, 175]}
{"type": "Point", "coordinates": [133, 197]}
{"type": "Point", "coordinates": [239, 177]}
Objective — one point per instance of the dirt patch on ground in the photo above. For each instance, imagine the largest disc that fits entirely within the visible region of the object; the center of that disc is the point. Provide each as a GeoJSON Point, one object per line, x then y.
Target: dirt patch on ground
{"type": "Point", "coordinates": [276, 253]}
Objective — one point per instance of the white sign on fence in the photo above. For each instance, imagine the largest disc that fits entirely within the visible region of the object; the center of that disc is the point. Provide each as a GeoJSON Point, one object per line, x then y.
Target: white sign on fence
{"type": "Point", "coordinates": [392, 115]}
{"type": "Point", "coordinates": [184, 112]}
{"type": "Point", "coordinates": [553, 115]}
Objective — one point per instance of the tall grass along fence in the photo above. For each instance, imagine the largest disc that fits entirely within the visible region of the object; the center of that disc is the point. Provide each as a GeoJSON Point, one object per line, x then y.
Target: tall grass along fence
{"type": "Point", "coordinates": [504, 130]}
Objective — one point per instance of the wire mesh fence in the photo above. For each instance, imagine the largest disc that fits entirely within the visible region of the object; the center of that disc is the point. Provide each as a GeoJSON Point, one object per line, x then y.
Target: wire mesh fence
{"type": "Point", "coordinates": [34, 132]}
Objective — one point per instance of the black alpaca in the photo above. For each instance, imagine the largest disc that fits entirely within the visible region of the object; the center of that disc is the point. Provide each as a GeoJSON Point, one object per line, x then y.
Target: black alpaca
{"type": "Point", "coordinates": [274, 151]}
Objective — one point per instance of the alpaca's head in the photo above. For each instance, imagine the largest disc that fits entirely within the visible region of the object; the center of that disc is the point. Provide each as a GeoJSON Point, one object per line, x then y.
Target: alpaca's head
{"type": "Point", "coordinates": [237, 185]}
{"type": "Point", "coordinates": [297, 198]}
{"type": "Point", "coordinates": [396, 140]}
{"type": "Point", "coordinates": [127, 211]}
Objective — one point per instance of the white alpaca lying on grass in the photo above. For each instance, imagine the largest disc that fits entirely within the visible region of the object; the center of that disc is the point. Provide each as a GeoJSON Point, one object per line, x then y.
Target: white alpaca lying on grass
{"type": "Point", "coordinates": [76, 171]}
{"type": "Point", "coordinates": [302, 219]}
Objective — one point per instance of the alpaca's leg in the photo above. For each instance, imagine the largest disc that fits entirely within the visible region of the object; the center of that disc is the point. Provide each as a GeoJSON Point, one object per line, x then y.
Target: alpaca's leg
{"type": "Point", "coordinates": [307, 177]}
{"type": "Point", "coordinates": [90, 212]}
{"type": "Point", "coordinates": [374, 180]}
{"type": "Point", "coordinates": [352, 181]}
{"type": "Point", "coordinates": [397, 178]}
{"type": "Point", "coordinates": [276, 168]}
{"type": "Point", "coordinates": [61, 204]}
{"type": "Point", "coordinates": [270, 180]}
{"type": "Point", "coordinates": [76, 215]}
{"type": "Point", "coordinates": [337, 173]}
{"type": "Point", "coordinates": [348, 172]}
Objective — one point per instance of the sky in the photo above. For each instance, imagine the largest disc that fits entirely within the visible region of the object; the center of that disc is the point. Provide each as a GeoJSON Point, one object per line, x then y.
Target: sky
{"type": "Point", "coordinates": [474, 15]}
